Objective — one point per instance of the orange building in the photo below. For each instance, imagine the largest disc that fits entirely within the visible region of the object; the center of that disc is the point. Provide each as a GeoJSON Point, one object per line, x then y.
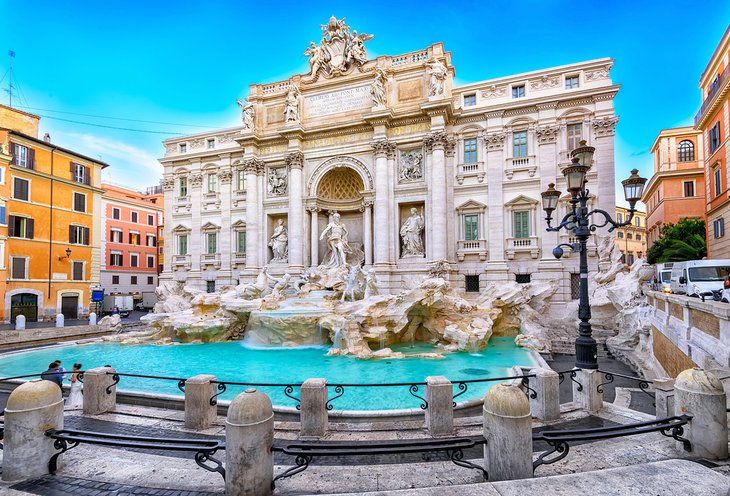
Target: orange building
{"type": "Point", "coordinates": [676, 191]}
{"type": "Point", "coordinates": [631, 239]}
{"type": "Point", "coordinates": [712, 120]}
{"type": "Point", "coordinates": [53, 222]}
{"type": "Point", "coordinates": [131, 234]}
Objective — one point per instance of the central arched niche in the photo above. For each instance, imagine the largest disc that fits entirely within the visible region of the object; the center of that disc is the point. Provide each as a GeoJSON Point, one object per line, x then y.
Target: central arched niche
{"type": "Point", "coordinates": [340, 184]}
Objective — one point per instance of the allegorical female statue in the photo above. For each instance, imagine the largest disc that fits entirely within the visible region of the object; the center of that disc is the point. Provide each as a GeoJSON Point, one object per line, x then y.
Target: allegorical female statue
{"type": "Point", "coordinates": [247, 115]}
{"type": "Point", "coordinates": [279, 242]}
{"type": "Point", "coordinates": [438, 73]}
{"type": "Point", "coordinates": [410, 233]}
{"type": "Point", "coordinates": [291, 105]}
{"type": "Point", "coordinates": [336, 234]}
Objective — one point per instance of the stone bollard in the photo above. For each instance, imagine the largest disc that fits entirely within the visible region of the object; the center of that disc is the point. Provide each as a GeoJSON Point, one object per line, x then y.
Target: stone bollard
{"type": "Point", "coordinates": [440, 411]}
{"type": "Point", "coordinates": [20, 323]}
{"type": "Point", "coordinates": [313, 419]}
{"type": "Point", "coordinates": [664, 396]}
{"type": "Point", "coordinates": [546, 406]}
{"type": "Point", "coordinates": [588, 397]}
{"type": "Point", "coordinates": [701, 395]}
{"type": "Point", "coordinates": [249, 436]}
{"type": "Point", "coordinates": [96, 399]}
{"type": "Point", "coordinates": [199, 413]}
{"type": "Point", "coordinates": [32, 409]}
{"type": "Point", "coordinates": [92, 318]}
{"type": "Point", "coordinates": [508, 431]}
{"type": "Point", "coordinates": [59, 320]}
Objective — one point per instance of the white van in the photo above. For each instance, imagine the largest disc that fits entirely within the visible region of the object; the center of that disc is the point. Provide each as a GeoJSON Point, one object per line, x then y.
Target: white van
{"type": "Point", "coordinates": [696, 277]}
{"type": "Point", "coordinates": [663, 277]}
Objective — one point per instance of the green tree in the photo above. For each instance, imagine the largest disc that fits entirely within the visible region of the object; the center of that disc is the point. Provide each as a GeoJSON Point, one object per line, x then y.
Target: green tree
{"type": "Point", "coordinates": [678, 242]}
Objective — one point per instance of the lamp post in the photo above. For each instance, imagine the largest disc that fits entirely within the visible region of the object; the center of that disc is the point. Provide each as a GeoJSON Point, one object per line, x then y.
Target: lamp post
{"type": "Point", "coordinates": [578, 221]}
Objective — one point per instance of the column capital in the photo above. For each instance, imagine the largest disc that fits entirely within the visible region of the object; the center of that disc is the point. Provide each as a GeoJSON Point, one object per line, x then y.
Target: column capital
{"type": "Point", "coordinates": [196, 179]}
{"type": "Point", "coordinates": [494, 141]}
{"type": "Point", "coordinates": [168, 182]}
{"type": "Point", "coordinates": [383, 147]}
{"type": "Point", "coordinates": [312, 209]}
{"type": "Point", "coordinates": [294, 160]}
{"type": "Point", "coordinates": [450, 146]}
{"type": "Point", "coordinates": [605, 126]}
{"type": "Point", "coordinates": [547, 134]}
{"type": "Point", "coordinates": [254, 166]}
{"type": "Point", "coordinates": [225, 176]}
{"type": "Point", "coordinates": [435, 140]}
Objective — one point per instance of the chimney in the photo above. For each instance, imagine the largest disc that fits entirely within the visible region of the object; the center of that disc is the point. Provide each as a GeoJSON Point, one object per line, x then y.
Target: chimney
{"type": "Point", "coordinates": [47, 138]}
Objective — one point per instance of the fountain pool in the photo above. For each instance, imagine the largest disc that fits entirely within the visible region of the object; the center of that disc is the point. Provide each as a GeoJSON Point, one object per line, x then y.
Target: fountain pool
{"type": "Point", "coordinates": [233, 361]}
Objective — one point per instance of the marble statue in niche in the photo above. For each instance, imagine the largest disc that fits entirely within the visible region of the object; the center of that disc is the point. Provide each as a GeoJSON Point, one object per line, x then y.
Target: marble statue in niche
{"type": "Point", "coordinates": [377, 88]}
{"type": "Point", "coordinates": [247, 115]}
{"type": "Point", "coordinates": [411, 236]}
{"type": "Point", "coordinates": [336, 234]}
{"type": "Point", "coordinates": [411, 166]}
{"type": "Point", "coordinates": [291, 105]}
{"type": "Point", "coordinates": [279, 242]}
{"type": "Point", "coordinates": [277, 182]}
{"type": "Point", "coordinates": [438, 72]}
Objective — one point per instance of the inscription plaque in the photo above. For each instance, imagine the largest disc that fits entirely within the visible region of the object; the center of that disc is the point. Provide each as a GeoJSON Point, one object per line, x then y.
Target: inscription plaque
{"type": "Point", "coordinates": [339, 101]}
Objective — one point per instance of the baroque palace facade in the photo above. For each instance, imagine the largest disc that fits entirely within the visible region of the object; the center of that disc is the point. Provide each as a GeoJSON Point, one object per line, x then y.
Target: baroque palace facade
{"type": "Point", "coordinates": [418, 170]}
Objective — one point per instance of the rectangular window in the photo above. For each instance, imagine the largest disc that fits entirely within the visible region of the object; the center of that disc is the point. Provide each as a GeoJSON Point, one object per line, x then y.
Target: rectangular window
{"type": "Point", "coordinates": [116, 236]}
{"type": "Point", "coordinates": [183, 186]}
{"type": "Point", "coordinates": [240, 180]}
{"type": "Point", "coordinates": [133, 279]}
{"type": "Point", "coordinates": [629, 236]}
{"type": "Point", "coordinates": [210, 286]}
{"type": "Point", "coordinates": [150, 280]}
{"type": "Point", "coordinates": [116, 213]}
{"type": "Point", "coordinates": [470, 150]}
{"type": "Point", "coordinates": [183, 147]}
{"type": "Point", "coordinates": [519, 144]}
{"type": "Point", "coordinates": [211, 183]}
{"type": "Point", "coordinates": [637, 221]}
{"type": "Point", "coordinates": [150, 220]}
{"type": "Point", "coordinates": [689, 189]}
{"type": "Point", "coordinates": [638, 237]}
{"type": "Point", "coordinates": [522, 278]}
{"type": "Point", "coordinates": [470, 100]}
{"type": "Point", "coordinates": [211, 144]}
{"type": "Point", "coordinates": [134, 217]}
{"type": "Point", "coordinates": [620, 234]}
{"type": "Point", "coordinates": [80, 173]}
{"type": "Point", "coordinates": [20, 227]}
{"type": "Point", "coordinates": [522, 224]}
{"type": "Point", "coordinates": [471, 227]}
{"type": "Point", "coordinates": [574, 286]}
{"type": "Point", "coordinates": [715, 137]}
{"type": "Point", "coordinates": [78, 271]}
{"type": "Point", "coordinates": [619, 217]}
{"type": "Point", "coordinates": [79, 202]}
{"type": "Point", "coordinates": [241, 242]}
{"type": "Point", "coordinates": [151, 240]}
{"type": "Point", "coordinates": [631, 259]}
{"type": "Point", "coordinates": [134, 238]}
{"type": "Point", "coordinates": [718, 181]}
{"type": "Point", "coordinates": [115, 279]}
{"type": "Point", "coordinates": [575, 132]}
{"type": "Point", "coordinates": [3, 213]}
{"type": "Point", "coordinates": [23, 156]}
{"type": "Point", "coordinates": [133, 260]}
{"type": "Point", "coordinates": [150, 261]}
{"type": "Point", "coordinates": [116, 259]}
{"type": "Point", "coordinates": [719, 227]}
{"type": "Point", "coordinates": [78, 235]}
{"type": "Point", "coordinates": [21, 189]}
{"type": "Point", "coordinates": [18, 268]}
{"type": "Point", "coordinates": [571, 82]}
{"type": "Point", "coordinates": [518, 91]}
{"type": "Point", "coordinates": [471, 284]}
{"type": "Point", "coordinates": [182, 244]}
{"type": "Point", "coordinates": [211, 243]}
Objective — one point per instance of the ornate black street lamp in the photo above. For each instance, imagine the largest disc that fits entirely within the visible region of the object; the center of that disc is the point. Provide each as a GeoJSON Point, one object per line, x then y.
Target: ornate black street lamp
{"type": "Point", "coordinates": [578, 221]}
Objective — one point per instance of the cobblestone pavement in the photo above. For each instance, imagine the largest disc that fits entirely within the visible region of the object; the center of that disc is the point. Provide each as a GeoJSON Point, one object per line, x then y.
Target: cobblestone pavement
{"type": "Point", "coordinates": [65, 486]}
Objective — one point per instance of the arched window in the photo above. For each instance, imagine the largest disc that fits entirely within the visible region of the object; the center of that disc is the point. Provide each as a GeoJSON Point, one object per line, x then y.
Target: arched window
{"type": "Point", "coordinates": [686, 151]}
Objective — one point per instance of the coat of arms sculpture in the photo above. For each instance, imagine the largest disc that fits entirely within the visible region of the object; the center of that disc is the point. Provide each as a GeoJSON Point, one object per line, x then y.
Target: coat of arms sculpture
{"type": "Point", "coordinates": [338, 52]}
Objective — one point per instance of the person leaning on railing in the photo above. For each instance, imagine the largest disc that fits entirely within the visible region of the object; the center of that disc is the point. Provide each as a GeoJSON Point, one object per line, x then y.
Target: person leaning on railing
{"type": "Point", "coordinates": [53, 375]}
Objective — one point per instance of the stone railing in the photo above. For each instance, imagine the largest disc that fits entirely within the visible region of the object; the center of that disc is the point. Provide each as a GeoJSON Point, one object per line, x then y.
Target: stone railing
{"type": "Point", "coordinates": [409, 58]}
{"type": "Point", "coordinates": [516, 164]}
{"type": "Point", "coordinates": [688, 332]}
{"type": "Point", "coordinates": [517, 245]}
{"type": "Point", "coordinates": [210, 259]}
{"type": "Point", "coordinates": [475, 247]}
{"type": "Point", "coordinates": [181, 260]}
{"type": "Point", "coordinates": [471, 169]}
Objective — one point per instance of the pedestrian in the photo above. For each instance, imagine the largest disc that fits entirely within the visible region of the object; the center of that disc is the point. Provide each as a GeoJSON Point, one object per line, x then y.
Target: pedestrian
{"type": "Point", "coordinates": [61, 370]}
{"type": "Point", "coordinates": [75, 400]}
{"type": "Point", "coordinates": [52, 375]}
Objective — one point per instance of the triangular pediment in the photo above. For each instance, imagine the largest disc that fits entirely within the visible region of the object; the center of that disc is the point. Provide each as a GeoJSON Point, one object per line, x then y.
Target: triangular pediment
{"type": "Point", "coordinates": [181, 229]}
{"type": "Point", "coordinates": [239, 225]}
{"type": "Point", "coordinates": [521, 200]}
{"type": "Point", "coordinates": [471, 205]}
{"type": "Point", "coordinates": [209, 226]}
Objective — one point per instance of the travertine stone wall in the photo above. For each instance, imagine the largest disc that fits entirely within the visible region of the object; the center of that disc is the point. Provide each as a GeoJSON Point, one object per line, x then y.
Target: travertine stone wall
{"type": "Point", "coordinates": [671, 357]}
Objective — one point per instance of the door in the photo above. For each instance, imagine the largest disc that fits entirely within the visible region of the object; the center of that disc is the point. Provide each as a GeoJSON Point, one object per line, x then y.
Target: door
{"type": "Point", "coordinates": [70, 307]}
{"type": "Point", "coordinates": [24, 304]}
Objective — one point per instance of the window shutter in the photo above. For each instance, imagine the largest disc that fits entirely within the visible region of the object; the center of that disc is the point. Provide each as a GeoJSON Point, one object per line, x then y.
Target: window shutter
{"type": "Point", "coordinates": [86, 236]}
{"type": "Point", "coordinates": [14, 153]}
{"type": "Point", "coordinates": [11, 225]}
{"type": "Point", "coordinates": [73, 169]}
{"type": "Point", "coordinates": [87, 175]}
{"type": "Point", "coordinates": [71, 234]}
{"type": "Point", "coordinates": [29, 228]}
{"type": "Point", "coordinates": [31, 158]}
{"type": "Point", "coordinates": [130, 238]}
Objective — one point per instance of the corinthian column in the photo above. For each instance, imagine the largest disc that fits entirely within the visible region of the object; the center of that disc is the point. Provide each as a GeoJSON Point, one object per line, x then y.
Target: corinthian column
{"type": "Point", "coordinates": [382, 212]}
{"type": "Point", "coordinates": [437, 141]}
{"type": "Point", "coordinates": [367, 231]}
{"type": "Point", "coordinates": [314, 236]}
{"type": "Point", "coordinates": [294, 162]}
{"type": "Point", "coordinates": [253, 229]}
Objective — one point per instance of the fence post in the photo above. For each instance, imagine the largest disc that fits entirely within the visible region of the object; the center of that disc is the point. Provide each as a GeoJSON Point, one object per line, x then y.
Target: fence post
{"type": "Point", "coordinates": [313, 398]}
{"type": "Point", "coordinates": [199, 413]}
{"type": "Point", "coordinates": [32, 408]}
{"type": "Point", "coordinates": [96, 398]}
{"type": "Point", "coordinates": [60, 320]}
{"type": "Point", "coordinates": [92, 318]}
{"type": "Point", "coordinates": [249, 436]}
{"type": "Point", "coordinates": [20, 323]}
{"type": "Point", "coordinates": [701, 395]}
{"type": "Point", "coordinates": [586, 394]}
{"type": "Point", "coordinates": [664, 396]}
{"type": "Point", "coordinates": [546, 406]}
{"type": "Point", "coordinates": [440, 411]}
{"type": "Point", "coordinates": [508, 431]}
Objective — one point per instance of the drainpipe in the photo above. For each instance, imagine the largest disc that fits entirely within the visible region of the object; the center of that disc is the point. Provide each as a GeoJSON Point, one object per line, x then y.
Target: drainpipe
{"type": "Point", "coordinates": [50, 236]}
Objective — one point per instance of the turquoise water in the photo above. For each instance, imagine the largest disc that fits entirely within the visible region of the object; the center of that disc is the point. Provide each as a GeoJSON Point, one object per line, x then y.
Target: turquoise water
{"type": "Point", "coordinates": [233, 361]}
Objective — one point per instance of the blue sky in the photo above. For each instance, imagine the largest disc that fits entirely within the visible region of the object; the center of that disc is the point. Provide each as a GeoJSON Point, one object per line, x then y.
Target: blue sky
{"type": "Point", "coordinates": [183, 64]}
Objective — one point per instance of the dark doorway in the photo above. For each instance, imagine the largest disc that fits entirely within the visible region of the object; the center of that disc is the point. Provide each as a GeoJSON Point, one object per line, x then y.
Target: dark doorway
{"type": "Point", "coordinates": [70, 307]}
{"type": "Point", "coordinates": [24, 304]}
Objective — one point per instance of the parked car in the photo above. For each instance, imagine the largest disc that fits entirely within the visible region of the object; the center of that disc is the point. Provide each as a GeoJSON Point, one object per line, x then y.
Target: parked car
{"type": "Point", "coordinates": [118, 303]}
{"type": "Point", "coordinates": [663, 277]}
{"type": "Point", "coordinates": [700, 278]}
